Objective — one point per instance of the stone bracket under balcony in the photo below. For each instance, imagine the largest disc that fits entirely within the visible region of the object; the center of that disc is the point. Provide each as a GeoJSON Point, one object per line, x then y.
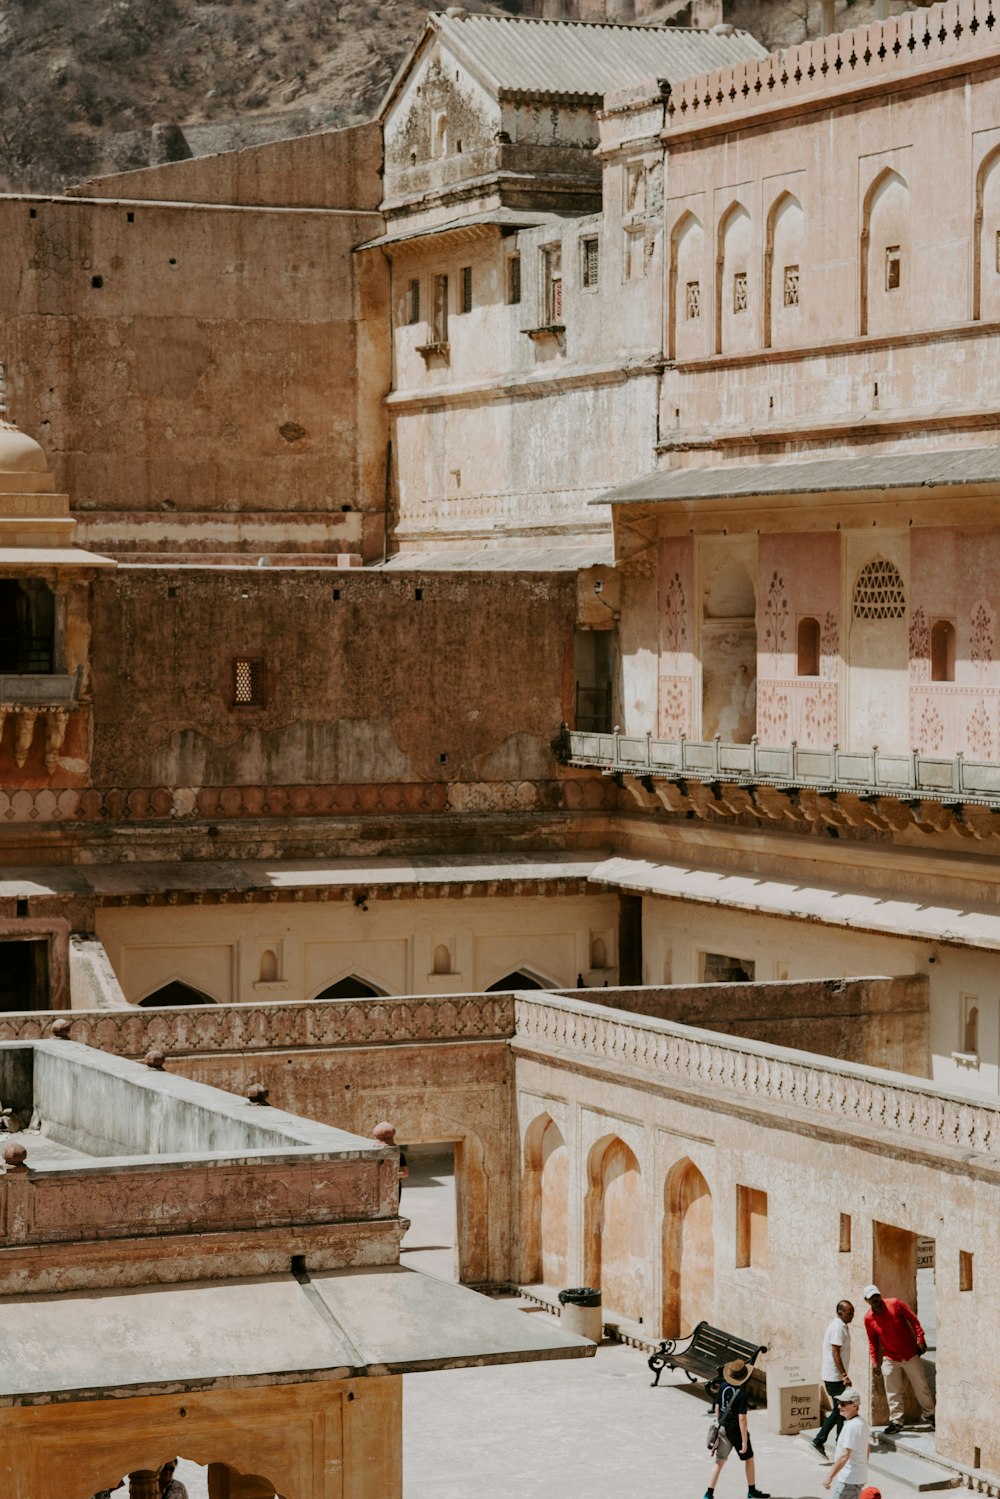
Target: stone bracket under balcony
{"type": "Point", "coordinates": [822, 789]}
{"type": "Point", "coordinates": [26, 709]}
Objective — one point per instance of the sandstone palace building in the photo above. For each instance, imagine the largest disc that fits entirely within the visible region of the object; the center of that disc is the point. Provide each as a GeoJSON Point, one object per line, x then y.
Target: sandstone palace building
{"type": "Point", "coordinates": [500, 631]}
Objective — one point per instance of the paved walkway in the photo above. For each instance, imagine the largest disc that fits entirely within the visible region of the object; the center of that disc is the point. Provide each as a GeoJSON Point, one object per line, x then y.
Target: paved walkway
{"type": "Point", "coordinates": [579, 1429]}
{"type": "Point", "coordinates": [584, 1429]}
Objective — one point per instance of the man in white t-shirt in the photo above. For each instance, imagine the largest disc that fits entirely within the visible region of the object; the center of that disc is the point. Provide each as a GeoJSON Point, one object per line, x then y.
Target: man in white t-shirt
{"type": "Point", "coordinates": [850, 1464]}
{"type": "Point", "coordinates": [836, 1361]}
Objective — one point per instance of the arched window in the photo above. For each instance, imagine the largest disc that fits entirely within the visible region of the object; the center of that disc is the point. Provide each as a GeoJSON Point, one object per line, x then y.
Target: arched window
{"type": "Point", "coordinates": [268, 966]}
{"type": "Point", "coordinates": [439, 143]}
{"type": "Point", "coordinates": [350, 988]}
{"type": "Point", "coordinates": [808, 647]}
{"type": "Point", "coordinates": [942, 651]}
{"type": "Point", "coordinates": [517, 980]}
{"type": "Point", "coordinates": [27, 626]}
{"type": "Point", "coordinates": [175, 993]}
{"type": "Point", "coordinates": [878, 592]}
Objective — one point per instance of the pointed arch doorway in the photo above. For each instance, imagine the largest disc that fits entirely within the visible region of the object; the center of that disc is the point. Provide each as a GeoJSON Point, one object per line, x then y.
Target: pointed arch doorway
{"type": "Point", "coordinates": [688, 1251]}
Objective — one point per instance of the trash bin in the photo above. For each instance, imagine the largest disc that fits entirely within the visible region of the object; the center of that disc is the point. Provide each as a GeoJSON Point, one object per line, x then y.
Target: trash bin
{"type": "Point", "coordinates": [581, 1312]}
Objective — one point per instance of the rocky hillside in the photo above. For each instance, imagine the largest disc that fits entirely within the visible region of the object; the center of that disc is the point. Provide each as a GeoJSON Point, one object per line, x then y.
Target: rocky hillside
{"type": "Point", "coordinates": [84, 81]}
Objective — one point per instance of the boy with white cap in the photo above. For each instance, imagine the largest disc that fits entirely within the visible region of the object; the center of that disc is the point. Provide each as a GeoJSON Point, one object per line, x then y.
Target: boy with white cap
{"type": "Point", "coordinates": [850, 1465]}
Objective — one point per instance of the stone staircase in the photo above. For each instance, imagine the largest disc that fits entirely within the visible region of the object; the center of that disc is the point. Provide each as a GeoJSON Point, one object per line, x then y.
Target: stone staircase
{"type": "Point", "coordinates": [910, 1459]}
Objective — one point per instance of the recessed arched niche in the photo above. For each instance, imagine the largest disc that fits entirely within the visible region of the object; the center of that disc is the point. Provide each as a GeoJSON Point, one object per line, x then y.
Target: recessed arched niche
{"type": "Point", "coordinates": [442, 958]}
{"type": "Point", "coordinates": [784, 286]}
{"type": "Point", "coordinates": [886, 256]}
{"type": "Point", "coordinates": [735, 314]}
{"type": "Point", "coordinates": [690, 306]}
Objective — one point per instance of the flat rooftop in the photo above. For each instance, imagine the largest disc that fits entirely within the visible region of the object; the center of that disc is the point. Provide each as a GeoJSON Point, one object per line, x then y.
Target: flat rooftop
{"type": "Point", "coordinates": [82, 1109]}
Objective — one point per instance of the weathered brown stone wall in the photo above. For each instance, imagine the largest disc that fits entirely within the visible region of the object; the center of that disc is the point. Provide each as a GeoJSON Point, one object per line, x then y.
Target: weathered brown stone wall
{"type": "Point", "coordinates": [368, 678]}
{"type": "Point", "coordinates": [199, 377]}
{"type": "Point", "coordinates": [439, 1068]}
{"type": "Point", "coordinates": [882, 1022]}
{"type": "Point", "coordinates": [337, 169]}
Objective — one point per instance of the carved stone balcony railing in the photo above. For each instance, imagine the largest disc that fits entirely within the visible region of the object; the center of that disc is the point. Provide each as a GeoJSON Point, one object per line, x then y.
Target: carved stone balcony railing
{"type": "Point", "coordinates": [865, 772]}
{"type": "Point", "coordinates": [916, 1112]}
{"type": "Point", "coordinates": [41, 690]}
{"type": "Point", "coordinates": [821, 1091]}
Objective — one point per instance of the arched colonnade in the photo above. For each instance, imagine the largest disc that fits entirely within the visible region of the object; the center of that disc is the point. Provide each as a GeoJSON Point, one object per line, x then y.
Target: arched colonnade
{"type": "Point", "coordinates": [600, 1231]}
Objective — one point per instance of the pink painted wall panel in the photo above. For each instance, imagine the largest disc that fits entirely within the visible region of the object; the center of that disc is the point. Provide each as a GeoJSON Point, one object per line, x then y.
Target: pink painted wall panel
{"type": "Point", "coordinates": [955, 577]}
{"type": "Point", "coordinates": [676, 606]}
{"type": "Point", "coordinates": [798, 579]}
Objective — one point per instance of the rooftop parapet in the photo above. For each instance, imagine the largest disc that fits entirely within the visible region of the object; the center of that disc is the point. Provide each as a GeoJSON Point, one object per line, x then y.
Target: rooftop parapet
{"type": "Point", "coordinates": [123, 1174]}
{"type": "Point", "coordinates": [874, 58]}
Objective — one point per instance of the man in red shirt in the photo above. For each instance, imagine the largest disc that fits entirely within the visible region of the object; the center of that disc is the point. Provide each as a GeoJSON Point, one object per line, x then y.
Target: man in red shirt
{"type": "Point", "coordinates": [896, 1341]}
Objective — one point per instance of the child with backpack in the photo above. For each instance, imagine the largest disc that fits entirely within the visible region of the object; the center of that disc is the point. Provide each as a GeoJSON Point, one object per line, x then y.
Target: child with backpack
{"type": "Point", "coordinates": [731, 1433]}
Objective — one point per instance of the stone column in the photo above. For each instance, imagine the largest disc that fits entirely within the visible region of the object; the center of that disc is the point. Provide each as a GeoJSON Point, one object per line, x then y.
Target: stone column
{"type": "Point", "coordinates": [828, 21]}
{"type": "Point", "coordinates": [143, 1484]}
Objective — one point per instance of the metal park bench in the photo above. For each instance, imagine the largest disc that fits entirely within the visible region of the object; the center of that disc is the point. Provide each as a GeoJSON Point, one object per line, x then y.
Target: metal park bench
{"type": "Point", "coordinates": [708, 1348]}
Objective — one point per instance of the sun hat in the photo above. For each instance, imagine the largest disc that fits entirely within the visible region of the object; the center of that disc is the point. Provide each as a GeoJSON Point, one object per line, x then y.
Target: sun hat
{"type": "Point", "coordinates": [848, 1397]}
{"type": "Point", "coordinates": [737, 1372]}
{"type": "Point", "coordinates": [870, 1291]}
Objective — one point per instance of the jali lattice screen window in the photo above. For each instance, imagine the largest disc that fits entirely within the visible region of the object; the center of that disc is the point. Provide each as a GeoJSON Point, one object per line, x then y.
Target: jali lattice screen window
{"type": "Point", "coordinates": [878, 592]}
{"type": "Point", "coordinates": [248, 682]}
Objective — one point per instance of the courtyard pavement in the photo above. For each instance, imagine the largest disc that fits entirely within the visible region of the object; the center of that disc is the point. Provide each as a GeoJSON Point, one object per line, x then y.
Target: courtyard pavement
{"type": "Point", "coordinates": [574, 1429]}
{"type": "Point", "coordinates": [583, 1429]}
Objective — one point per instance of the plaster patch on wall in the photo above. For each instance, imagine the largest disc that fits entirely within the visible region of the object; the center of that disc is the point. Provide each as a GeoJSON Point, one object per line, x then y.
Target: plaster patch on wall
{"type": "Point", "coordinates": [348, 750]}
{"type": "Point", "coordinates": [519, 756]}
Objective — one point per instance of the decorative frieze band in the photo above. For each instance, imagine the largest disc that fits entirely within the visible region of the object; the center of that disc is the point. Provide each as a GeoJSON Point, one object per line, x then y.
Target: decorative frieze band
{"type": "Point", "coordinates": [220, 803]}
{"type": "Point", "coordinates": [264, 1028]}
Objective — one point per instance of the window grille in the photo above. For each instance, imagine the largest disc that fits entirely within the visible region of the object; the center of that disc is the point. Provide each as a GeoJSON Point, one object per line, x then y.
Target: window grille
{"type": "Point", "coordinates": [591, 257]}
{"type": "Point", "coordinates": [740, 291]}
{"type": "Point", "coordinates": [893, 268]}
{"type": "Point", "coordinates": [466, 288]}
{"type": "Point", "coordinates": [878, 592]}
{"type": "Point", "coordinates": [553, 284]}
{"type": "Point", "coordinates": [414, 302]}
{"type": "Point", "coordinates": [248, 682]}
{"type": "Point", "coordinates": [514, 279]}
{"type": "Point", "coordinates": [440, 329]}
{"type": "Point", "coordinates": [692, 303]}
{"type": "Point", "coordinates": [791, 286]}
